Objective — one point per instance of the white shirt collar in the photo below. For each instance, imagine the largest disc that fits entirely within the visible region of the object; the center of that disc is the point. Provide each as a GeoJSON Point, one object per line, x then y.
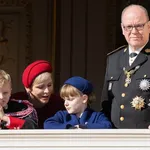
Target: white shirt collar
{"type": "Point", "coordinates": [131, 60]}
{"type": "Point", "coordinates": [136, 51]}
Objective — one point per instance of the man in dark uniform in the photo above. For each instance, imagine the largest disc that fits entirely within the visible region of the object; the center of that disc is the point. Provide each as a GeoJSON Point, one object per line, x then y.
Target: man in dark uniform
{"type": "Point", "coordinates": [126, 91]}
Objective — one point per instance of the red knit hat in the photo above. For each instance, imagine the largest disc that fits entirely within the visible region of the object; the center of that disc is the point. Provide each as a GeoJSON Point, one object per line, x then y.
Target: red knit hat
{"type": "Point", "coordinates": [33, 70]}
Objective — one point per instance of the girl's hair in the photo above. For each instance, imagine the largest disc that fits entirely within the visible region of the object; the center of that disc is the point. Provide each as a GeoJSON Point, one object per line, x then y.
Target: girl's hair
{"type": "Point", "coordinates": [4, 78]}
{"type": "Point", "coordinates": [68, 90]}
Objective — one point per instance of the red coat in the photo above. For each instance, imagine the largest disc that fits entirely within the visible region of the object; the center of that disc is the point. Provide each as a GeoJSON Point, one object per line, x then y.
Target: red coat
{"type": "Point", "coordinates": [55, 104]}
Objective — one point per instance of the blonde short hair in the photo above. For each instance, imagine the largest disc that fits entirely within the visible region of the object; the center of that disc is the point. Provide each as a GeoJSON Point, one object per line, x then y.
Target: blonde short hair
{"type": "Point", "coordinates": [68, 90]}
{"type": "Point", "coordinates": [4, 78]}
{"type": "Point", "coordinates": [41, 77]}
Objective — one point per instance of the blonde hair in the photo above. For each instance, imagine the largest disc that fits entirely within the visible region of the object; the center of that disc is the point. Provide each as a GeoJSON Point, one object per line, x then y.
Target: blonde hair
{"type": "Point", "coordinates": [68, 90]}
{"type": "Point", "coordinates": [41, 77]}
{"type": "Point", "coordinates": [4, 78]}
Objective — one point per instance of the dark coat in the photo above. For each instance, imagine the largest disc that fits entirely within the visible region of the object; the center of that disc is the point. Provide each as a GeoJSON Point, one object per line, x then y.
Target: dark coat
{"type": "Point", "coordinates": [55, 104]}
{"type": "Point", "coordinates": [21, 114]}
{"type": "Point", "coordinates": [118, 96]}
{"type": "Point", "coordinates": [89, 120]}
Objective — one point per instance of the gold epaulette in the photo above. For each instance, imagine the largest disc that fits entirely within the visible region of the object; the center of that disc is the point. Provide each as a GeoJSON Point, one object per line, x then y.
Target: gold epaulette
{"type": "Point", "coordinates": [147, 50]}
{"type": "Point", "coordinates": [121, 47]}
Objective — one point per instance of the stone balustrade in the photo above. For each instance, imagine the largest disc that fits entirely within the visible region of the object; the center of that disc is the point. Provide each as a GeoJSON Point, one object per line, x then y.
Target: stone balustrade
{"type": "Point", "coordinates": [107, 139]}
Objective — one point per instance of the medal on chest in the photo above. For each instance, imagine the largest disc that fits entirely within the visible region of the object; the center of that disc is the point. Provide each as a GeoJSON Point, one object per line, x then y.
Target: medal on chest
{"type": "Point", "coordinates": [128, 75]}
{"type": "Point", "coordinates": [144, 84]}
{"type": "Point", "coordinates": [138, 103]}
{"type": "Point", "coordinates": [128, 79]}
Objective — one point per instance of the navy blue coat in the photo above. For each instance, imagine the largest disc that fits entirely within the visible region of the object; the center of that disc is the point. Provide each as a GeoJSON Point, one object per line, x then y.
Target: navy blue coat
{"type": "Point", "coordinates": [89, 119]}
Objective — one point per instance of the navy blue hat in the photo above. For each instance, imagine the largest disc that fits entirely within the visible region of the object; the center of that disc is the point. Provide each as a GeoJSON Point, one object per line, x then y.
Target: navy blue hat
{"type": "Point", "coordinates": [81, 84]}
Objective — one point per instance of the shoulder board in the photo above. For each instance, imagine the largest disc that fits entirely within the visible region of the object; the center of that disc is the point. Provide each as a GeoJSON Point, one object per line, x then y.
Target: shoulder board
{"type": "Point", "coordinates": [121, 47]}
{"type": "Point", "coordinates": [147, 50]}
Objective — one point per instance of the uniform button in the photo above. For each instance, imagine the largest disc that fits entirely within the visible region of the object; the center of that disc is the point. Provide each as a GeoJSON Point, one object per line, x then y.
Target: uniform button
{"type": "Point", "coordinates": [123, 94]}
{"type": "Point", "coordinates": [126, 84]}
{"type": "Point", "coordinates": [121, 118]}
{"type": "Point", "coordinates": [122, 106]}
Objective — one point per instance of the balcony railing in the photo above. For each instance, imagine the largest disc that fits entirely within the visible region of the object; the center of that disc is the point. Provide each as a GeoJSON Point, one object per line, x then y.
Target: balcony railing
{"type": "Point", "coordinates": [112, 139]}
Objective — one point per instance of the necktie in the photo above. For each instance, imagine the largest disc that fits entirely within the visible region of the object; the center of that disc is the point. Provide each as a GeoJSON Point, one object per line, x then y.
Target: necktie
{"type": "Point", "coordinates": [133, 55]}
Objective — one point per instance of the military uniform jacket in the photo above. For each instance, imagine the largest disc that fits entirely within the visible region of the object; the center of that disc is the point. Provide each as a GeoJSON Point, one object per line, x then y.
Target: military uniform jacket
{"type": "Point", "coordinates": [126, 92]}
{"type": "Point", "coordinates": [21, 114]}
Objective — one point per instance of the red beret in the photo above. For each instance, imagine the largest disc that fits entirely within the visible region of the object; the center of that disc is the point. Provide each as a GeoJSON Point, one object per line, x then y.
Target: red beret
{"type": "Point", "coordinates": [33, 70]}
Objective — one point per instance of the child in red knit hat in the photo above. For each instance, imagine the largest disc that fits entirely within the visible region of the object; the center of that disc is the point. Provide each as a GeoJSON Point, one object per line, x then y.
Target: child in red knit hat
{"type": "Point", "coordinates": [14, 114]}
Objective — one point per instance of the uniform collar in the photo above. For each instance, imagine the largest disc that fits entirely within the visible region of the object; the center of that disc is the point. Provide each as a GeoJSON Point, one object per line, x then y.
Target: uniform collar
{"type": "Point", "coordinates": [135, 51]}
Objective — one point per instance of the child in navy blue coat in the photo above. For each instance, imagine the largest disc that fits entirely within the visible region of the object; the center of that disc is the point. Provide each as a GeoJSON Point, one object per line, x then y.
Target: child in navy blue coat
{"type": "Point", "coordinates": [77, 93]}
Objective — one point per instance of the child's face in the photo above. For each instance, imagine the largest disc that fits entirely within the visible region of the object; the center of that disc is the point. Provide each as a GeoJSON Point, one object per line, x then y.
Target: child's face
{"type": "Point", "coordinates": [75, 104]}
{"type": "Point", "coordinates": [5, 93]}
{"type": "Point", "coordinates": [42, 89]}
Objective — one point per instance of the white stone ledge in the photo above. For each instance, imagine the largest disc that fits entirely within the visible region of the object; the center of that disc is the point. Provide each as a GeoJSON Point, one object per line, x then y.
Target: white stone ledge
{"type": "Point", "coordinates": [112, 139]}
